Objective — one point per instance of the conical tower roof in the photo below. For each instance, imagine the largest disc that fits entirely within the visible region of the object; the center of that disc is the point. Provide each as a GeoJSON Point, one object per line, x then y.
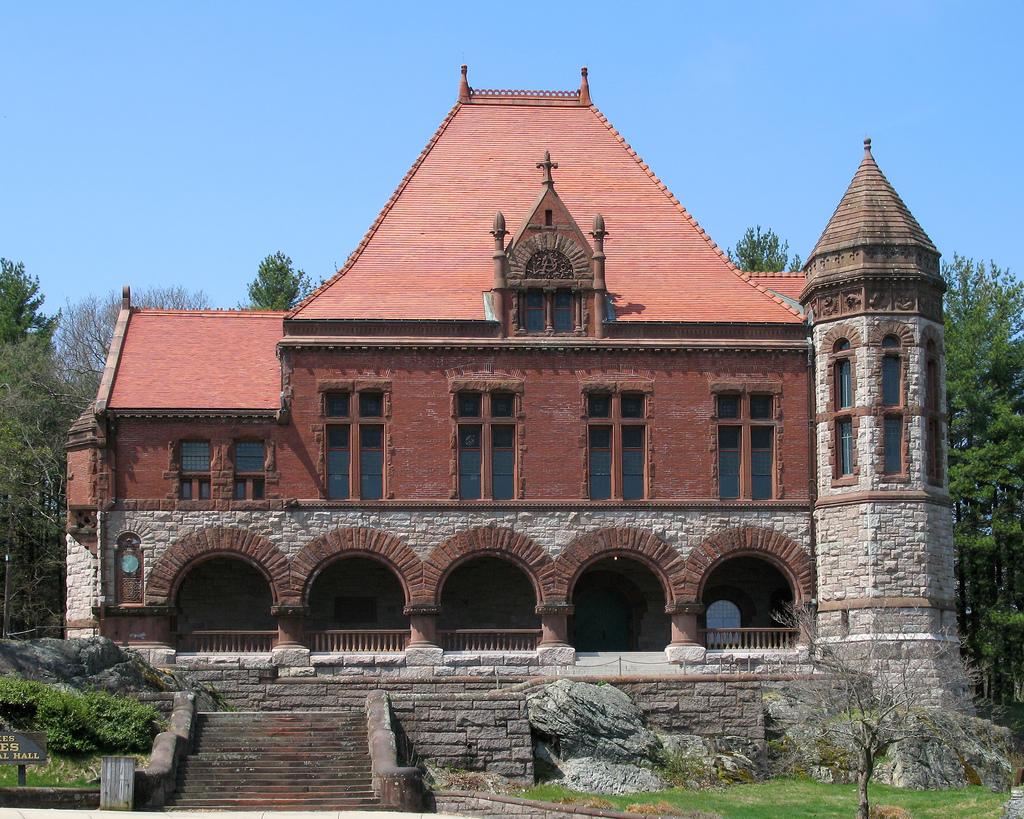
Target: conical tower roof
{"type": "Point", "coordinates": [870, 216]}
{"type": "Point", "coordinates": [871, 212]}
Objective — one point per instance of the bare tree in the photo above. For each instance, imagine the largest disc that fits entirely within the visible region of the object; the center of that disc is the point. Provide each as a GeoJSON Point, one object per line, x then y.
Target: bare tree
{"type": "Point", "coordinates": [869, 692]}
{"type": "Point", "coordinates": [86, 327]}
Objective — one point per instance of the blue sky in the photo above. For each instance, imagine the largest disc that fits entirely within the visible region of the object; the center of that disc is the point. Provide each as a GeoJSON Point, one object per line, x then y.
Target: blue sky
{"type": "Point", "coordinates": [179, 143]}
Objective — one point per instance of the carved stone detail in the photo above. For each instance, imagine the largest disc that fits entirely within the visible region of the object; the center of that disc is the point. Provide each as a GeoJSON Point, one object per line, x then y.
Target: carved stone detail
{"type": "Point", "coordinates": [534, 256]}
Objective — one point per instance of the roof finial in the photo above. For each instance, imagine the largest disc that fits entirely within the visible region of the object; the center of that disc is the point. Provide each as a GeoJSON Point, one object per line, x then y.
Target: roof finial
{"type": "Point", "coordinates": [867, 145]}
{"type": "Point", "coordinates": [584, 87]}
{"type": "Point", "coordinates": [548, 165]}
{"type": "Point", "coordinates": [464, 84]}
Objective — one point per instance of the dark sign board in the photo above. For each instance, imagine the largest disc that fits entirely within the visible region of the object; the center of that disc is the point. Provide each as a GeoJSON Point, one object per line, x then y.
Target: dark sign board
{"type": "Point", "coordinates": [22, 749]}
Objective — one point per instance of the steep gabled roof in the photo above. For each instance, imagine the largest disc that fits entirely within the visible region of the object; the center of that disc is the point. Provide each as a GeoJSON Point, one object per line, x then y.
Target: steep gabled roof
{"type": "Point", "coordinates": [870, 213]}
{"type": "Point", "coordinates": [428, 254]}
{"type": "Point", "coordinates": [199, 360]}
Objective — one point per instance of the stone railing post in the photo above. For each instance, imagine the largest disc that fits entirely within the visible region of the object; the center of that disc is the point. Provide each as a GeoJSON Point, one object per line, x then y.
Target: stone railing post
{"type": "Point", "coordinates": [423, 648]}
{"type": "Point", "coordinates": [686, 645]}
{"type": "Point", "coordinates": [554, 648]}
{"type": "Point", "coordinates": [289, 649]}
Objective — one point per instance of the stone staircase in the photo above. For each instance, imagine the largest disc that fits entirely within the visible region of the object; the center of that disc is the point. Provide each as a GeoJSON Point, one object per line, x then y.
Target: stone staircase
{"type": "Point", "coordinates": [277, 761]}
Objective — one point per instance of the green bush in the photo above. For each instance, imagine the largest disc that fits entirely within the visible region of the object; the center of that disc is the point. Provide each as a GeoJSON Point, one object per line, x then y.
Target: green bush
{"type": "Point", "coordinates": [77, 723]}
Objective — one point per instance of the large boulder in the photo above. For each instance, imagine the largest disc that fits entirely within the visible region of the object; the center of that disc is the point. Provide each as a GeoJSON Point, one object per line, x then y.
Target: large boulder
{"type": "Point", "coordinates": [91, 662]}
{"type": "Point", "coordinates": [579, 719]}
{"type": "Point", "coordinates": [592, 738]}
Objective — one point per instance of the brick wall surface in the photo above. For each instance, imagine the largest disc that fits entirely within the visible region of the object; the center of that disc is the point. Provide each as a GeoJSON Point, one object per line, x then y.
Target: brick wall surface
{"type": "Point", "coordinates": [420, 425]}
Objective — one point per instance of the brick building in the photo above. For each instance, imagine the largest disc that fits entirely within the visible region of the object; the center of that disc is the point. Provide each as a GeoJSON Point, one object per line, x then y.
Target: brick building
{"type": "Point", "coordinates": [538, 412]}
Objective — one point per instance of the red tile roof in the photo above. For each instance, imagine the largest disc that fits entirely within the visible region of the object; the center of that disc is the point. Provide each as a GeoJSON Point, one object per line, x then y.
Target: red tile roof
{"type": "Point", "coordinates": [428, 254]}
{"type": "Point", "coordinates": [177, 359]}
{"type": "Point", "coordinates": [787, 283]}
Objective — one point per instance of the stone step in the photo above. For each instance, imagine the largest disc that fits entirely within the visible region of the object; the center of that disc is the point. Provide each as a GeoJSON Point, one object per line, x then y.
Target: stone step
{"type": "Point", "coordinates": [250, 803]}
{"type": "Point", "coordinates": [294, 789]}
{"type": "Point", "coordinates": [276, 777]}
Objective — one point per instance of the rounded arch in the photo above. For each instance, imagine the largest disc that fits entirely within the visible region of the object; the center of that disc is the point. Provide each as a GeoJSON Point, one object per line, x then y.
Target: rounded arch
{"type": "Point", "coordinates": [788, 556]}
{"type": "Point", "coordinates": [935, 336]}
{"type": "Point", "coordinates": [216, 541]}
{"type": "Point", "coordinates": [904, 332]}
{"type": "Point", "coordinates": [489, 541]}
{"type": "Point", "coordinates": [841, 331]}
{"type": "Point", "coordinates": [644, 547]}
{"type": "Point", "coordinates": [355, 541]}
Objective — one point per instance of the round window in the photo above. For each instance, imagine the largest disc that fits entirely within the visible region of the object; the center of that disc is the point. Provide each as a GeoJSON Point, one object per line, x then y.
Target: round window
{"type": "Point", "coordinates": [129, 563]}
{"type": "Point", "coordinates": [723, 614]}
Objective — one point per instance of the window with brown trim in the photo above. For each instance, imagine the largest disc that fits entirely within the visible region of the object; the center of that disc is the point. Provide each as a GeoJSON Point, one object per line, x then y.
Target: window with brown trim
{"type": "Point", "coordinates": [250, 480]}
{"type": "Point", "coordinates": [746, 446]}
{"type": "Point", "coordinates": [129, 569]}
{"type": "Point", "coordinates": [195, 471]}
{"type": "Point", "coordinates": [843, 397]}
{"type": "Point", "coordinates": [556, 311]}
{"type": "Point", "coordinates": [364, 434]}
{"type": "Point", "coordinates": [891, 391]}
{"type": "Point", "coordinates": [617, 445]}
{"type": "Point", "coordinates": [933, 404]}
{"type": "Point", "coordinates": [486, 445]}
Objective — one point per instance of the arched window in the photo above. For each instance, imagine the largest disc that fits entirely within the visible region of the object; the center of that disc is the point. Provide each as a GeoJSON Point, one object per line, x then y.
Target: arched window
{"type": "Point", "coordinates": [891, 392]}
{"type": "Point", "coordinates": [129, 568]}
{"type": "Point", "coordinates": [842, 377]}
{"type": "Point", "coordinates": [932, 418]}
{"type": "Point", "coordinates": [723, 614]}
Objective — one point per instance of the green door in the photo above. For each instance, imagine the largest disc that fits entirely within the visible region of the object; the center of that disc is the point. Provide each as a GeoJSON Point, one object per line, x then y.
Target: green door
{"type": "Point", "coordinates": [602, 621]}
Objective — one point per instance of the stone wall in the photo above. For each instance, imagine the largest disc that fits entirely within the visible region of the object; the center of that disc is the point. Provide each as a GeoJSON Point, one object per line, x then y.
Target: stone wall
{"type": "Point", "coordinates": [471, 723]}
{"type": "Point", "coordinates": [81, 589]}
{"type": "Point", "coordinates": [475, 730]}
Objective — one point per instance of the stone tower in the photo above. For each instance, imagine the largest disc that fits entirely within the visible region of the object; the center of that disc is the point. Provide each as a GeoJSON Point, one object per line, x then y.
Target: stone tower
{"type": "Point", "coordinates": [884, 540]}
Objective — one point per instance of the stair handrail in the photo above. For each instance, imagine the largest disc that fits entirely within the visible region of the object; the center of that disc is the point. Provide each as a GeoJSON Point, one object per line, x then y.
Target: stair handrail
{"type": "Point", "coordinates": [400, 788]}
{"type": "Point", "coordinates": [157, 781]}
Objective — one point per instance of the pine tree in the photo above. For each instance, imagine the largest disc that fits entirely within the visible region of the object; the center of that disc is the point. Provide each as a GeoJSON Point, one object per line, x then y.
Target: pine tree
{"type": "Point", "coordinates": [20, 304]}
{"type": "Point", "coordinates": [763, 251]}
{"type": "Point", "coordinates": [985, 397]}
{"type": "Point", "coordinates": [278, 286]}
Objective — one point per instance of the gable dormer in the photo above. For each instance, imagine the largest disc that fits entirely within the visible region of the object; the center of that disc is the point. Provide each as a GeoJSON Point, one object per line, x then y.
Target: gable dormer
{"type": "Point", "coordinates": [549, 273]}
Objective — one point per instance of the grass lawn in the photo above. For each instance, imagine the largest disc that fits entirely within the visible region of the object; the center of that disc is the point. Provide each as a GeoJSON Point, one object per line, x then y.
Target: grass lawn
{"type": "Point", "coordinates": [788, 798]}
{"type": "Point", "coordinates": [62, 772]}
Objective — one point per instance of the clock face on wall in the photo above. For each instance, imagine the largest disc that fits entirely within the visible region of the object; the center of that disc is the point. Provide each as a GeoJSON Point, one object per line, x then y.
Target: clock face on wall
{"type": "Point", "coordinates": [129, 563]}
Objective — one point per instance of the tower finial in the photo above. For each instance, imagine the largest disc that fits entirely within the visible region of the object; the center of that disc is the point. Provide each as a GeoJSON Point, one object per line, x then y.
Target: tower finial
{"type": "Point", "coordinates": [584, 87]}
{"type": "Point", "coordinates": [464, 84]}
{"type": "Point", "coordinates": [867, 145]}
{"type": "Point", "coordinates": [548, 165]}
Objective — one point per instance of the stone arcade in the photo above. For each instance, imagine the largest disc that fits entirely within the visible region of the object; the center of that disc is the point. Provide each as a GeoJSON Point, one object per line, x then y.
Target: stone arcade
{"type": "Point", "coordinates": [537, 414]}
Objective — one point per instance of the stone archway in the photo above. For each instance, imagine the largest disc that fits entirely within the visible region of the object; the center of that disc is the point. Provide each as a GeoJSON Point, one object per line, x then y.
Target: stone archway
{"type": "Point", "coordinates": [788, 556]}
{"type": "Point", "coordinates": [374, 544]}
{"type": "Point", "coordinates": [487, 541]}
{"type": "Point", "coordinates": [216, 541]}
{"type": "Point", "coordinates": [639, 545]}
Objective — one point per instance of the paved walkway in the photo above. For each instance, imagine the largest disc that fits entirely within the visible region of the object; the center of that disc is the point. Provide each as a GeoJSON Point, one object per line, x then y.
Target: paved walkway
{"type": "Point", "coordinates": [33, 813]}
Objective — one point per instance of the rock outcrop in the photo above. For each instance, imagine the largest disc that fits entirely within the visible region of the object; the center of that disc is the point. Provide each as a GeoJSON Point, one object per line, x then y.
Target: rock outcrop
{"type": "Point", "coordinates": [91, 662]}
{"type": "Point", "coordinates": [941, 749]}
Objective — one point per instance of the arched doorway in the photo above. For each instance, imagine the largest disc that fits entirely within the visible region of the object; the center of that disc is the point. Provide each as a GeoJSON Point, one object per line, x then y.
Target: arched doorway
{"type": "Point", "coordinates": [747, 604]}
{"type": "Point", "coordinates": [356, 605]}
{"type": "Point", "coordinates": [619, 605]}
{"type": "Point", "coordinates": [488, 604]}
{"type": "Point", "coordinates": [223, 605]}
